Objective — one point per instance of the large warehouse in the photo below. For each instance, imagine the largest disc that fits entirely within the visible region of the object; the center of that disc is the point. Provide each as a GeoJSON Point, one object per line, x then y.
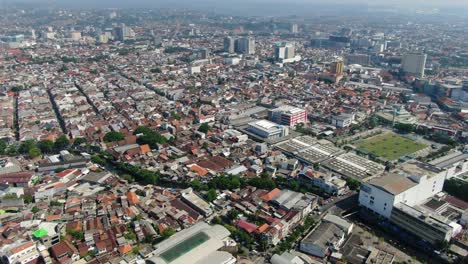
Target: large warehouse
{"type": "Point", "coordinates": [198, 244]}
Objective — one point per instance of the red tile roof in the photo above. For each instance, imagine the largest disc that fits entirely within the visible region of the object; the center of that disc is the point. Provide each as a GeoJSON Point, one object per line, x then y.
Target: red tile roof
{"type": "Point", "coordinates": [248, 227]}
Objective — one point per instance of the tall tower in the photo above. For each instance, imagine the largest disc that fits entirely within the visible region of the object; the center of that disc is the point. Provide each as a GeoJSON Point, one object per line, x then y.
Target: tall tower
{"type": "Point", "coordinates": [246, 45]}
{"type": "Point", "coordinates": [229, 44]}
{"type": "Point", "coordinates": [414, 63]}
{"type": "Point", "coordinates": [337, 68]}
{"type": "Point", "coordinates": [294, 28]}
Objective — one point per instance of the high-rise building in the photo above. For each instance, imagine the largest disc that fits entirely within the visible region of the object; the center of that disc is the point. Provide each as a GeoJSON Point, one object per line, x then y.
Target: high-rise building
{"type": "Point", "coordinates": [361, 59]}
{"type": "Point", "coordinates": [203, 53]}
{"type": "Point", "coordinates": [229, 44]}
{"type": "Point", "coordinates": [414, 63]}
{"type": "Point", "coordinates": [337, 68]}
{"type": "Point", "coordinates": [245, 45]}
{"type": "Point", "coordinates": [294, 28]}
{"type": "Point", "coordinates": [284, 50]}
{"type": "Point", "coordinates": [123, 33]}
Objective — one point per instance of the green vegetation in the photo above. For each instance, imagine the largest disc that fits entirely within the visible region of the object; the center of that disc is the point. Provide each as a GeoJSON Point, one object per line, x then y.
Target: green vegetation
{"type": "Point", "coordinates": [405, 128]}
{"type": "Point", "coordinates": [211, 195]}
{"type": "Point", "coordinates": [61, 143]}
{"type": "Point", "coordinates": [98, 160]}
{"type": "Point", "coordinates": [113, 136]}
{"type": "Point", "coordinates": [77, 235]}
{"type": "Point", "coordinates": [130, 235]}
{"type": "Point", "coordinates": [10, 196]}
{"type": "Point", "coordinates": [123, 52]}
{"type": "Point", "coordinates": [34, 152]}
{"type": "Point", "coordinates": [35, 210]}
{"type": "Point", "coordinates": [353, 184]}
{"type": "Point", "coordinates": [204, 128]}
{"type": "Point", "coordinates": [78, 141]}
{"type": "Point", "coordinates": [457, 188]}
{"type": "Point", "coordinates": [55, 203]}
{"type": "Point", "coordinates": [155, 70]}
{"type": "Point", "coordinates": [26, 146]}
{"type": "Point", "coordinates": [140, 175]}
{"type": "Point", "coordinates": [150, 137]}
{"type": "Point", "coordinates": [3, 146]}
{"type": "Point", "coordinates": [168, 232]}
{"type": "Point", "coordinates": [389, 146]}
{"type": "Point", "coordinates": [223, 182]}
{"type": "Point", "coordinates": [11, 150]}
{"type": "Point", "coordinates": [46, 146]}
{"type": "Point", "coordinates": [69, 59]}
{"type": "Point", "coordinates": [175, 115]}
{"type": "Point", "coordinates": [28, 198]}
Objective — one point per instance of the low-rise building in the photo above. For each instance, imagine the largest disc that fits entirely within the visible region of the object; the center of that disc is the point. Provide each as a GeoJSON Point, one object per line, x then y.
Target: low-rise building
{"type": "Point", "coordinates": [197, 244]}
{"type": "Point", "coordinates": [268, 130]}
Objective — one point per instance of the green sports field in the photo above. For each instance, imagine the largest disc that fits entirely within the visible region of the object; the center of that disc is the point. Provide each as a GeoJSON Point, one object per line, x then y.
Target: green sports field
{"type": "Point", "coordinates": [389, 146]}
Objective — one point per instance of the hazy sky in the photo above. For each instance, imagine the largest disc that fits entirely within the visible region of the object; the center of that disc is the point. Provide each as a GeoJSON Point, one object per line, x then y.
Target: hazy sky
{"type": "Point", "coordinates": [252, 7]}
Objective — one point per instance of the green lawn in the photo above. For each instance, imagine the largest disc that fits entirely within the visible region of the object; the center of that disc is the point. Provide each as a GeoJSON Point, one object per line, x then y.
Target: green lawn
{"type": "Point", "coordinates": [389, 146]}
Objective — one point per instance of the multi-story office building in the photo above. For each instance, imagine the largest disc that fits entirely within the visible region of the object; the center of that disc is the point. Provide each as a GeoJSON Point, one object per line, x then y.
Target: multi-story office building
{"type": "Point", "coordinates": [229, 44]}
{"type": "Point", "coordinates": [337, 68]}
{"type": "Point", "coordinates": [361, 59]}
{"type": "Point", "coordinates": [410, 199]}
{"type": "Point", "coordinates": [288, 115]}
{"type": "Point", "coordinates": [414, 63]}
{"type": "Point", "coordinates": [294, 28]}
{"type": "Point", "coordinates": [123, 33]}
{"type": "Point", "coordinates": [245, 45]}
{"type": "Point", "coordinates": [284, 50]}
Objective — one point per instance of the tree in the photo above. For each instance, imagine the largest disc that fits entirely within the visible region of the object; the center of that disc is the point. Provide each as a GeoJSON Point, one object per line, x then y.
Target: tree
{"type": "Point", "coordinates": [98, 159]}
{"type": "Point", "coordinates": [12, 150]}
{"type": "Point", "coordinates": [225, 183]}
{"type": "Point", "coordinates": [216, 220]}
{"type": "Point", "coordinates": [262, 183]}
{"type": "Point", "coordinates": [35, 210]}
{"type": "Point", "coordinates": [26, 146]}
{"type": "Point", "coordinates": [130, 235]}
{"type": "Point", "coordinates": [3, 146]}
{"type": "Point", "coordinates": [155, 70]}
{"type": "Point", "coordinates": [61, 143]}
{"type": "Point", "coordinates": [78, 141]}
{"type": "Point", "coordinates": [204, 128]}
{"type": "Point", "coordinates": [457, 188]}
{"type": "Point", "coordinates": [150, 137]}
{"type": "Point", "coordinates": [175, 115]}
{"type": "Point", "coordinates": [63, 68]}
{"type": "Point", "coordinates": [198, 186]}
{"type": "Point", "coordinates": [211, 195]}
{"type": "Point", "coordinates": [168, 232]}
{"type": "Point", "coordinates": [114, 136]}
{"type": "Point", "coordinates": [353, 184]}
{"type": "Point", "coordinates": [78, 235]}
{"type": "Point", "coordinates": [405, 128]}
{"type": "Point", "coordinates": [34, 152]}
{"type": "Point", "coordinates": [232, 215]}
{"type": "Point", "coordinates": [28, 198]}
{"type": "Point", "coordinates": [46, 146]}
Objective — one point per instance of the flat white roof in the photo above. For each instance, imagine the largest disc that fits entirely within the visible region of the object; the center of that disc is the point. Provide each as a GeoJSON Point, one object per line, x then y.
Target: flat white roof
{"type": "Point", "coordinates": [265, 124]}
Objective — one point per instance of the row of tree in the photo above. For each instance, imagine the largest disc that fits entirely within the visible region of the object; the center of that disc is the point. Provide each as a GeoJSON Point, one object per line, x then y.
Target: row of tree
{"type": "Point", "coordinates": [36, 148]}
{"type": "Point", "coordinates": [436, 137]}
